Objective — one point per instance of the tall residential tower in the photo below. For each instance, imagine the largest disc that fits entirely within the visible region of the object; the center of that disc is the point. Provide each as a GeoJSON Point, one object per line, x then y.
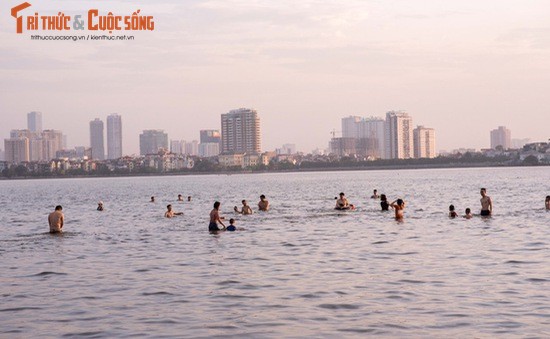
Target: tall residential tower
{"type": "Point", "coordinates": [399, 135]}
{"type": "Point", "coordinates": [96, 139]}
{"type": "Point", "coordinates": [241, 131]}
{"type": "Point", "coordinates": [114, 136]}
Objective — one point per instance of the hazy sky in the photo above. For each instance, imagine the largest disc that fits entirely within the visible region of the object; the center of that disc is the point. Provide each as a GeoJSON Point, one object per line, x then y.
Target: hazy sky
{"type": "Point", "coordinates": [462, 67]}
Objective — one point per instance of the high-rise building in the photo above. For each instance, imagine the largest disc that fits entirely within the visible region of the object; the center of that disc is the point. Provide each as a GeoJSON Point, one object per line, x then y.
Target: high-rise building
{"type": "Point", "coordinates": [2, 155]}
{"type": "Point", "coordinates": [52, 141]}
{"type": "Point", "coordinates": [97, 140]}
{"type": "Point", "coordinates": [209, 149]}
{"type": "Point", "coordinates": [399, 135]}
{"type": "Point", "coordinates": [151, 141]}
{"type": "Point", "coordinates": [501, 137]}
{"type": "Point", "coordinates": [372, 135]}
{"type": "Point", "coordinates": [114, 136]}
{"type": "Point", "coordinates": [17, 150]}
{"type": "Point", "coordinates": [209, 136]}
{"type": "Point", "coordinates": [177, 146]}
{"type": "Point", "coordinates": [424, 142]}
{"type": "Point", "coordinates": [192, 148]}
{"type": "Point", "coordinates": [350, 127]}
{"type": "Point", "coordinates": [241, 131]}
{"type": "Point", "coordinates": [34, 121]}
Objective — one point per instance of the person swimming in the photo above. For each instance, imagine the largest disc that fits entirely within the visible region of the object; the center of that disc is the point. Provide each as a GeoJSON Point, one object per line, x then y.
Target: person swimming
{"type": "Point", "coordinates": [263, 204]}
{"type": "Point", "coordinates": [452, 212]}
{"type": "Point", "coordinates": [384, 203]}
{"type": "Point", "coordinates": [547, 202]}
{"type": "Point", "coordinates": [375, 195]}
{"type": "Point", "coordinates": [468, 214]}
{"type": "Point", "coordinates": [231, 226]}
{"type": "Point", "coordinates": [215, 218]}
{"type": "Point", "coordinates": [246, 209]}
{"type": "Point", "coordinates": [100, 206]}
{"type": "Point", "coordinates": [180, 197]}
{"type": "Point", "coordinates": [399, 207]}
{"type": "Point", "coordinates": [152, 199]}
{"type": "Point", "coordinates": [170, 212]}
{"type": "Point", "coordinates": [342, 203]}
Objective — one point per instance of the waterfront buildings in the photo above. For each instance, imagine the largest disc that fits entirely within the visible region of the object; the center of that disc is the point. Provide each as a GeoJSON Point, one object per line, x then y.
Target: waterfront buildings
{"type": "Point", "coordinates": [501, 137]}
{"type": "Point", "coordinates": [399, 135]}
{"type": "Point", "coordinates": [114, 136]}
{"type": "Point", "coordinates": [34, 121]}
{"type": "Point", "coordinates": [424, 142]}
{"type": "Point", "coordinates": [17, 150]}
{"type": "Point", "coordinates": [97, 140]}
{"type": "Point", "coordinates": [151, 141]}
{"type": "Point", "coordinates": [240, 131]}
{"type": "Point", "coordinates": [209, 143]}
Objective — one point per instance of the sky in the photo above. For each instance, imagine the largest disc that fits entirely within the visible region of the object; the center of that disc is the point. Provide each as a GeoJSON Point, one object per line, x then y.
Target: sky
{"type": "Point", "coordinates": [462, 67]}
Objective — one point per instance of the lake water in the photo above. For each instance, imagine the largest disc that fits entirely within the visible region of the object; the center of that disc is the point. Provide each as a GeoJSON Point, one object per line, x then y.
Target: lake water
{"type": "Point", "coordinates": [300, 270]}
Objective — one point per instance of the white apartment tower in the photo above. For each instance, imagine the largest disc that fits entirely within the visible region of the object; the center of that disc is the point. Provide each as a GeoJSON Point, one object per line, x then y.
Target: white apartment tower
{"type": "Point", "coordinates": [241, 131]}
{"type": "Point", "coordinates": [424, 142]}
{"type": "Point", "coordinates": [114, 136]}
{"type": "Point", "coordinates": [399, 135]}
{"type": "Point", "coordinates": [34, 121]}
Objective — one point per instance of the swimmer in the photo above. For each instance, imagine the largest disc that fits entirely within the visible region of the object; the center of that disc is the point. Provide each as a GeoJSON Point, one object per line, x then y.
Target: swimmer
{"type": "Point", "coordinates": [55, 219]}
{"type": "Point", "coordinates": [375, 195]}
{"type": "Point", "coordinates": [452, 213]}
{"type": "Point", "coordinates": [189, 198]}
{"type": "Point", "coordinates": [152, 199]}
{"type": "Point", "coordinates": [215, 218]}
{"type": "Point", "coordinates": [342, 203]}
{"type": "Point", "coordinates": [100, 206]}
{"type": "Point", "coordinates": [180, 197]}
{"type": "Point", "coordinates": [486, 203]}
{"type": "Point", "coordinates": [263, 205]}
{"type": "Point", "coordinates": [468, 214]}
{"type": "Point", "coordinates": [245, 210]}
{"type": "Point", "coordinates": [399, 207]}
{"type": "Point", "coordinates": [170, 213]}
{"type": "Point", "coordinates": [547, 202]}
{"type": "Point", "coordinates": [384, 202]}
{"type": "Point", "coordinates": [231, 226]}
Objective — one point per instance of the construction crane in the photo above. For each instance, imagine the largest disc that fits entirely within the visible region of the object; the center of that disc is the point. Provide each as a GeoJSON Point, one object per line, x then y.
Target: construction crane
{"type": "Point", "coordinates": [334, 131]}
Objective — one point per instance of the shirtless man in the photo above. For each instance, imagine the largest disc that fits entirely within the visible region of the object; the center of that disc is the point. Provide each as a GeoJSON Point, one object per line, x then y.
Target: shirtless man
{"type": "Point", "coordinates": [342, 203]}
{"type": "Point", "coordinates": [399, 207]}
{"type": "Point", "coordinates": [215, 218]}
{"type": "Point", "coordinates": [375, 195]}
{"type": "Point", "coordinates": [245, 210]}
{"type": "Point", "coordinates": [55, 219]}
{"type": "Point", "coordinates": [180, 197]}
{"type": "Point", "coordinates": [486, 203]}
{"type": "Point", "coordinates": [263, 205]}
{"type": "Point", "coordinates": [170, 213]}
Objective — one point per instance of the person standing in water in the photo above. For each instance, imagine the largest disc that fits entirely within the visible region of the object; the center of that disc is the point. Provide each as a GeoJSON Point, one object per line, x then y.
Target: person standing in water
{"type": "Point", "coordinates": [100, 206]}
{"type": "Point", "coordinates": [375, 195]}
{"type": "Point", "coordinates": [399, 207]}
{"type": "Point", "coordinates": [215, 218]}
{"type": "Point", "coordinates": [56, 219]}
{"type": "Point", "coordinates": [170, 212]}
{"type": "Point", "coordinates": [384, 203]}
{"type": "Point", "coordinates": [263, 205]}
{"type": "Point", "coordinates": [486, 204]}
{"type": "Point", "coordinates": [468, 213]}
{"type": "Point", "coordinates": [547, 202]}
{"type": "Point", "coordinates": [245, 209]}
{"type": "Point", "coordinates": [452, 212]}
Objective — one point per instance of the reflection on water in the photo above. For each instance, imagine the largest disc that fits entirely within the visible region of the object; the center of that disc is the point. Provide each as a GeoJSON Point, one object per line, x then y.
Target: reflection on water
{"type": "Point", "coordinates": [302, 269]}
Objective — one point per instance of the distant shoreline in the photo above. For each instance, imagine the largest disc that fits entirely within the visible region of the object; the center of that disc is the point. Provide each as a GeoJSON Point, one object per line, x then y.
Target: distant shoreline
{"type": "Point", "coordinates": [298, 170]}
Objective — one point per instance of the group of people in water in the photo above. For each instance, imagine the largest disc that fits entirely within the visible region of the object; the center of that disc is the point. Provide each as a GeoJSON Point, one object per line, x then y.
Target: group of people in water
{"type": "Point", "coordinates": [56, 218]}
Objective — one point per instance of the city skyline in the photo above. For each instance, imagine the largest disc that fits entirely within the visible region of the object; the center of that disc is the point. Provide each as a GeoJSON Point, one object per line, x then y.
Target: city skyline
{"type": "Point", "coordinates": [459, 67]}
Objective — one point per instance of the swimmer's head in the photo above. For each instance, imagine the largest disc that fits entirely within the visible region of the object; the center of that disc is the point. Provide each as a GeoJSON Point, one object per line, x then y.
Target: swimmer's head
{"type": "Point", "coordinates": [451, 208]}
{"type": "Point", "coordinates": [244, 202]}
{"type": "Point", "coordinates": [341, 194]}
{"type": "Point", "coordinates": [169, 207]}
{"type": "Point", "coordinates": [483, 191]}
{"type": "Point", "coordinates": [375, 191]}
{"type": "Point", "coordinates": [58, 208]}
{"type": "Point", "coordinates": [383, 197]}
{"type": "Point", "coordinates": [231, 221]}
{"type": "Point", "coordinates": [217, 205]}
{"type": "Point", "coordinates": [468, 211]}
{"type": "Point", "coordinates": [262, 197]}
{"type": "Point", "coordinates": [399, 202]}
{"type": "Point", "coordinates": [548, 198]}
